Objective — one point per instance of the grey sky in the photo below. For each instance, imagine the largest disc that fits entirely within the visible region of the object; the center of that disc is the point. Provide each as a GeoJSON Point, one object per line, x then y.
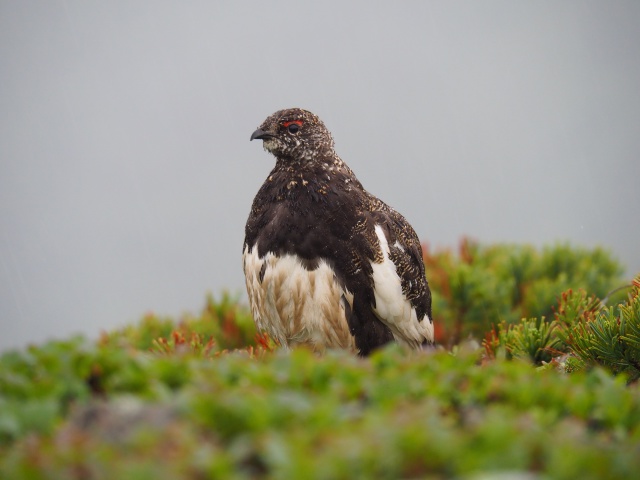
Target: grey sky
{"type": "Point", "coordinates": [126, 171]}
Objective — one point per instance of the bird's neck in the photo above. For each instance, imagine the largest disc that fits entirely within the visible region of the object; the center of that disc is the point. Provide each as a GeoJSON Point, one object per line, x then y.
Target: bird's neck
{"type": "Point", "coordinates": [316, 165]}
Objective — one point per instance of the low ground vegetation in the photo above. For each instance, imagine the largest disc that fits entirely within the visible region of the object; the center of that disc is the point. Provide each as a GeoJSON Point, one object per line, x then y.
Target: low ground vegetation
{"type": "Point", "coordinates": [536, 374]}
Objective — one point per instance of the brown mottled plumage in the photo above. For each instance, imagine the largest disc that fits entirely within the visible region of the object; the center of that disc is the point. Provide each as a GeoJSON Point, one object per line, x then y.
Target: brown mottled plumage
{"type": "Point", "coordinates": [326, 263]}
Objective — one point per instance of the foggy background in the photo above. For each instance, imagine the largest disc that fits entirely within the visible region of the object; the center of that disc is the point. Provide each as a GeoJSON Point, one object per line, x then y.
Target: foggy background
{"type": "Point", "coordinates": [126, 171]}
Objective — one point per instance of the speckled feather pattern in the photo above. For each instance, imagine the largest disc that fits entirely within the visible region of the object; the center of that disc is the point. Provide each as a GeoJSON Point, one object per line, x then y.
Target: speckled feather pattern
{"type": "Point", "coordinates": [312, 221]}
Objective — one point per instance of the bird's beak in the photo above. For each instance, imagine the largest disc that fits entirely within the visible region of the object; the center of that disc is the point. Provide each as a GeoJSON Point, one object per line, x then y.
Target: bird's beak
{"type": "Point", "coordinates": [260, 135]}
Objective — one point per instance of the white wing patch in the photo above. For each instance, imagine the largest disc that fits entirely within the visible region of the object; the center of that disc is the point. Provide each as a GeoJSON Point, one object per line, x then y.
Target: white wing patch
{"type": "Point", "coordinates": [392, 307]}
{"type": "Point", "coordinates": [296, 305]}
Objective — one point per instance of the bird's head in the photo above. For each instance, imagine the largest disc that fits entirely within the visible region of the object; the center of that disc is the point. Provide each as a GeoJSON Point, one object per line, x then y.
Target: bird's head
{"type": "Point", "coordinates": [295, 134]}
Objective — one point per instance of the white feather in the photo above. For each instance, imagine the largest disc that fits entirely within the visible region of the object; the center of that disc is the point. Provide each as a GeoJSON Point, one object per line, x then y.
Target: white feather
{"type": "Point", "coordinates": [296, 305]}
{"type": "Point", "coordinates": [392, 307]}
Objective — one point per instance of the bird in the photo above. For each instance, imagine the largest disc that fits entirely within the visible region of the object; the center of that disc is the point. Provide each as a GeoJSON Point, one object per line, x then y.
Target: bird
{"type": "Point", "coordinates": [327, 264]}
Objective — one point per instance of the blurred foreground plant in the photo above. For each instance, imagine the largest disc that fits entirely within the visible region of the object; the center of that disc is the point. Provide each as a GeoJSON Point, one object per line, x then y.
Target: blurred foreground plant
{"type": "Point", "coordinates": [204, 397]}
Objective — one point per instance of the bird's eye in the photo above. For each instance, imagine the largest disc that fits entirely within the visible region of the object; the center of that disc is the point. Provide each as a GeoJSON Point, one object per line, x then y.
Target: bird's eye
{"type": "Point", "coordinates": [293, 126]}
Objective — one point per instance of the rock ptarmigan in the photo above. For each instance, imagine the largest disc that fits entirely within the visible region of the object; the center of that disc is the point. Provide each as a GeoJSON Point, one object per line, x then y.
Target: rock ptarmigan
{"type": "Point", "coordinates": [327, 264]}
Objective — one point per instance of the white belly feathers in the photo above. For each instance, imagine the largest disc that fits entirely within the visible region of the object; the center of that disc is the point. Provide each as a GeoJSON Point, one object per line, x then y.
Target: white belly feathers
{"type": "Point", "coordinates": [296, 305]}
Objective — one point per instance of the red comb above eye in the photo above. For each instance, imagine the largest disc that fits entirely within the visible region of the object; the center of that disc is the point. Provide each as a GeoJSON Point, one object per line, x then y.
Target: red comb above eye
{"type": "Point", "coordinates": [297, 122]}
